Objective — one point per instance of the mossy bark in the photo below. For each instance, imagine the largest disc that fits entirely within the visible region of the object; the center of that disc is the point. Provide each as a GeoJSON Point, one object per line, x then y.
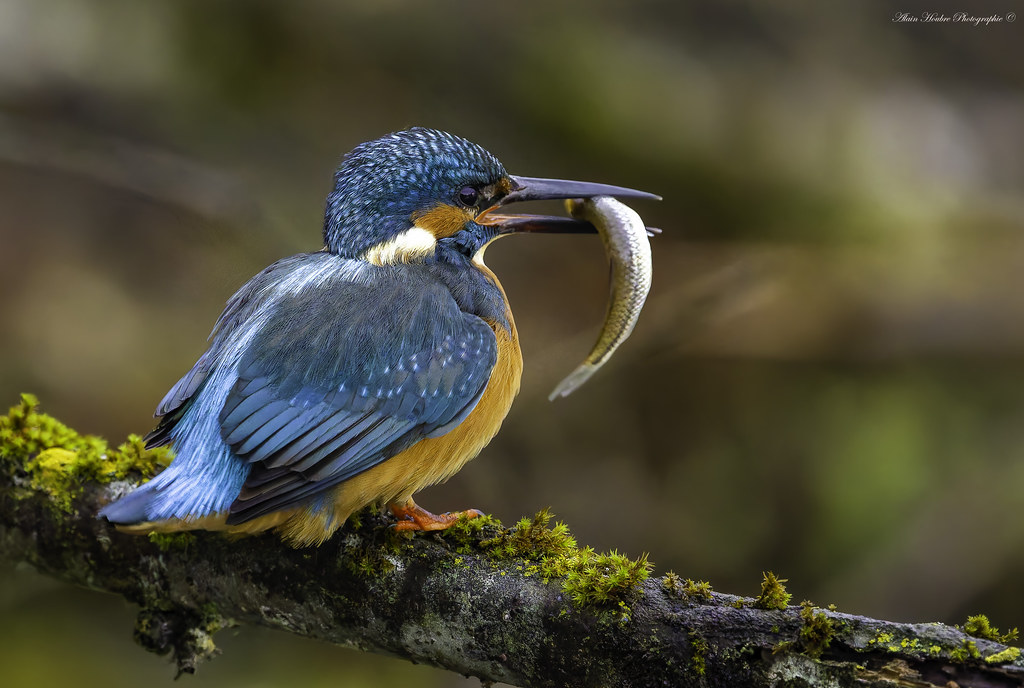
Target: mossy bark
{"type": "Point", "coordinates": [458, 601]}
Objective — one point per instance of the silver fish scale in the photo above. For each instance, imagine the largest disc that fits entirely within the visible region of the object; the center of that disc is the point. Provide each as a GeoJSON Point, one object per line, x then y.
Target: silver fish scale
{"type": "Point", "coordinates": [629, 252]}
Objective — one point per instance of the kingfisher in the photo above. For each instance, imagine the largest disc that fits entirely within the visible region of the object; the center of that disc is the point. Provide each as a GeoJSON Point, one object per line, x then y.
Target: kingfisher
{"type": "Point", "coordinates": [365, 371]}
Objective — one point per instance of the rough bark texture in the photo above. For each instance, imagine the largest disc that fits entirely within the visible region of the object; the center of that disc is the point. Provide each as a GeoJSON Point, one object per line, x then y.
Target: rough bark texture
{"type": "Point", "coordinates": [460, 602]}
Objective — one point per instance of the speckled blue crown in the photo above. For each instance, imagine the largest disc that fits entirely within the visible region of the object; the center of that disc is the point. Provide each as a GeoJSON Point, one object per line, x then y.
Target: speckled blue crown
{"type": "Point", "coordinates": [382, 182]}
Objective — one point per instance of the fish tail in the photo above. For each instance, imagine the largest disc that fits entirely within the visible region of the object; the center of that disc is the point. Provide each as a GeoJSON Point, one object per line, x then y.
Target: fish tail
{"type": "Point", "coordinates": [573, 381]}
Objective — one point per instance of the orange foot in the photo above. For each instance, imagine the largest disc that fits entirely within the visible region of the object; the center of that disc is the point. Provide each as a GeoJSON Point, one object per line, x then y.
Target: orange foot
{"type": "Point", "coordinates": [413, 517]}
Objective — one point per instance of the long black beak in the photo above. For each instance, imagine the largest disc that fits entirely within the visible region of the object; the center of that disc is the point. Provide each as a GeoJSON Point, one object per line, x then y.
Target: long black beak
{"type": "Point", "coordinates": [538, 189]}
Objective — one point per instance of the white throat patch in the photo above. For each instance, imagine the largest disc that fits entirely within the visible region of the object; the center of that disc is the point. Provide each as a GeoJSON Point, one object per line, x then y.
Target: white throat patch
{"type": "Point", "coordinates": [412, 244]}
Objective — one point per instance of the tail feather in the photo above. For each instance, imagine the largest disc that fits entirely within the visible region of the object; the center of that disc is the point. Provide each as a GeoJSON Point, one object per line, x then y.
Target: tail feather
{"type": "Point", "coordinates": [132, 508]}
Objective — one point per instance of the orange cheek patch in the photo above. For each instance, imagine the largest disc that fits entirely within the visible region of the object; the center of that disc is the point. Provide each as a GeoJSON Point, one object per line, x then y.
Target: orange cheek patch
{"type": "Point", "coordinates": [443, 220]}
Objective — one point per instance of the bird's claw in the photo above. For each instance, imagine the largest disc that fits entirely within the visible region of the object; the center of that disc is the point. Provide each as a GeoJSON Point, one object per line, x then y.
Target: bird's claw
{"type": "Point", "coordinates": [414, 517]}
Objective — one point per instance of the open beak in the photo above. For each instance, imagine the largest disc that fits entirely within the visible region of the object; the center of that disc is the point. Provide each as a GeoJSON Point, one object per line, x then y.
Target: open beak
{"type": "Point", "coordinates": [538, 189]}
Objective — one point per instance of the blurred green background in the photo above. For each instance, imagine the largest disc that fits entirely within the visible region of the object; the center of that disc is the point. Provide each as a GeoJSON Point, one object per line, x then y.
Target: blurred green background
{"type": "Point", "coordinates": [826, 381]}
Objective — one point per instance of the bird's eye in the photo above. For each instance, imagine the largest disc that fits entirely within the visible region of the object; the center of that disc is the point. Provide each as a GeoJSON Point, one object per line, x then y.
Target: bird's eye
{"type": "Point", "coordinates": [469, 196]}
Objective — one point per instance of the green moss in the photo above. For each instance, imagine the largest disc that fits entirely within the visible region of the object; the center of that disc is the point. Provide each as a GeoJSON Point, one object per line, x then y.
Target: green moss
{"type": "Point", "coordinates": [773, 593]}
{"type": "Point", "coordinates": [550, 552]}
{"type": "Point", "coordinates": [396, 541]}
{"type": "Point", "coordinates": [60, 462]}
{"type": "Point", "coordinates": [367, 515]}
{"type": "Point", "coordinates": [467, 532]}
{"type": "Point", "coordinates": [968, 651]}
{"type": "Point", "coordinates": [700, 653]}
{"type": "Point", "coordinates": [980, 627]}
{"type": "Point", "coordinates": [368, 562]}
{"type": "Point", "coordinates": [25, 432]}
{"type": "Point", "coordinates": [54, 471]}
{"type": "Point", "coordinates": [1005, 657]}
{"type": "Point", "coordinates": [132, 458]}
{"type": "Point", "coordinates": [676, 587]}
{"type": "Point", "coordinates": [533, 540]}
{"type": "Point", "coordinates": [818, 630]}
{"type": "Point", "coordinates": [603, 579]}
{"type": "Point", "coordinates": [371, 559]}
{"type": "Point", "coordinates": [697, 589]}
{"type": "Point", "coordinates": [168, 542]}
{"type": "Point", "coordinates": [672, 584]}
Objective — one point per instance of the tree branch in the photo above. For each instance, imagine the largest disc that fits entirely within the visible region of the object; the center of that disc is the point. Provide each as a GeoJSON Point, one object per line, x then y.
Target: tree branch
{"type": "Point", "coordinates": [524, 606]}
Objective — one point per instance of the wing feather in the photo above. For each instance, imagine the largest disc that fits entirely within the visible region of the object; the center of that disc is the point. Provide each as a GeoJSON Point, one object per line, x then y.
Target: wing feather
{"type": "Point", "coordinates": [365, 371]}
{"type": "Point", "coordinates": [346, 370]}
{"type": "Point", "coordinates": [252, 424]}
{"type": "Point", "coordinates": [269, 428]}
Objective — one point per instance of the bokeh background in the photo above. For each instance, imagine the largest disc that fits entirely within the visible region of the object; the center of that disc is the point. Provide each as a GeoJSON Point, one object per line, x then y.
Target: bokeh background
{"type": "Point", "coordinates": [826, 381]}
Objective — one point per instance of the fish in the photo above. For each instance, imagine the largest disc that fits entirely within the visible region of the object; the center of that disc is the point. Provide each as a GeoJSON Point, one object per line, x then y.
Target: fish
{"type": "Point", "coordinates": [629, 252]}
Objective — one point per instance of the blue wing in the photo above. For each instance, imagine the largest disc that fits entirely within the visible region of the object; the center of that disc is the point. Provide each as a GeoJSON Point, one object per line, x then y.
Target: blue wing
{"type": "Point", "coordinates": [345, 375]}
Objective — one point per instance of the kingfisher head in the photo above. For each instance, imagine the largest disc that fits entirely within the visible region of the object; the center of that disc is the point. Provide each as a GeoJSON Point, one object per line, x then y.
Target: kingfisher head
{"type": "Point", "coordinates": [406, 195]}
